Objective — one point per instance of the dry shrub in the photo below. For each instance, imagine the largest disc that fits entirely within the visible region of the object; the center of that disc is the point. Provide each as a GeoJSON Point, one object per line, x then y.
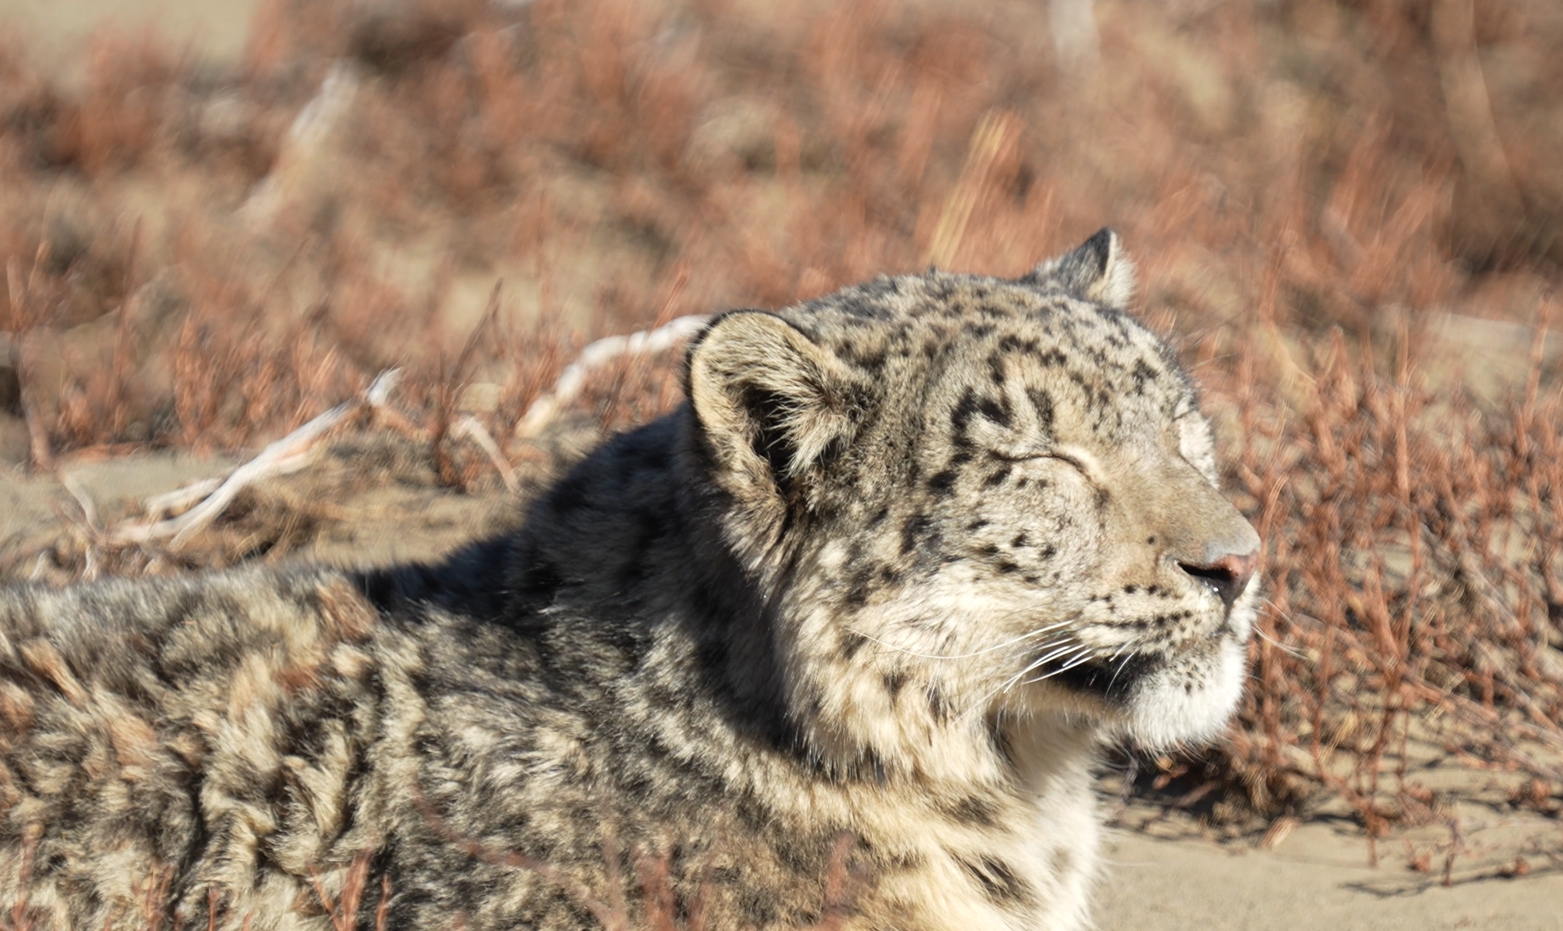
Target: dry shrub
{"type": "Point", "coordinates": [1310, 185]}
{"type": "Point", "coordinates": [1414, 591]}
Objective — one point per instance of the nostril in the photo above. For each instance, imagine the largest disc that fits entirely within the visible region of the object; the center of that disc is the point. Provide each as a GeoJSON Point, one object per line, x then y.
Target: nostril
{"type": "Point", "coordinates": [1227, 576]}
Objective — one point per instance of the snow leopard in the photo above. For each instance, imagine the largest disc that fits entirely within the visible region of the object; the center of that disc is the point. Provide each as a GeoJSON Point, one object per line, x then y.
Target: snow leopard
{"type": "Point", "coordinates": [835, 643]}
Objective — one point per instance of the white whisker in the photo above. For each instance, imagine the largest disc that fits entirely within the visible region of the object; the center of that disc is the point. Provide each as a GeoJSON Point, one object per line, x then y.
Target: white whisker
{"type": "Point", "coordinates": [1289, 651]}
{"type": "Point", "coordinates": [1000, 646]}
{"type": "Point", "coordinates": [1009, 683]}
{"type": "Point", "coordinates": [1114, 680]}
{"type": "Point", "coordinates": [1085, 656]}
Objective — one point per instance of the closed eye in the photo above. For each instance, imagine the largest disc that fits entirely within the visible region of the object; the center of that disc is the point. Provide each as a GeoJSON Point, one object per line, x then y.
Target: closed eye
{"type": "Point", "coordinates": [1078, 463]}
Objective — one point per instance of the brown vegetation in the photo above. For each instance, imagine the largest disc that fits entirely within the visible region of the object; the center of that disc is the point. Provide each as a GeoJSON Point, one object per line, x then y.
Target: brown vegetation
{"type": "Point", "coordinates": [1318, 190]}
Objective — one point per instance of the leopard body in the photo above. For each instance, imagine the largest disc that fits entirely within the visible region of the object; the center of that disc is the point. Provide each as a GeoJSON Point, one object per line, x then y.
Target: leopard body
{"type": "Point", "coordinates": [838, 640]}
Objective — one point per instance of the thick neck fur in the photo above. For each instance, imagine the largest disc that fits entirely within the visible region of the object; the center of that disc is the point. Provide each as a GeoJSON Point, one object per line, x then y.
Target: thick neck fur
{"type": "Point", "coordinates": [771, 645]}
{"type": "Point", "coordinates": [628, 558]}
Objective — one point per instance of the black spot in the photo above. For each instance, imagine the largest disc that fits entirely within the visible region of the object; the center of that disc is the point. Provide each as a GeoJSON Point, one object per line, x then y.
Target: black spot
{"type": "Point", "coordinates": [1053, 358]}
{"type": "Point", "coordinates": [1020, 540]}
{"type": "Point", "coordinates": [977, 524]}
{"type": "Point", "coordinates": [1142, 374]}
{"type": "Point", "coordinates": [872, 362]}
{"type": "Point", "coordinates": [996, 411]}
{"type": "Point", "coordinates": [943, 484]}
{"type": "Point", "coordinates": [875, 767]}
{"type": "Point", "coordinates": [1042, 403]}
{"type": "Point", "coordinates": [996, 368]}
{"type": "Point", "coordinates": [857, 592]}
{"type": "Point", "coordinates": [894, 682]}
{"type": "Point", "coordinates": [913, 531]}
{"type": "Point", "coordinates": [978, 812]}
{"type": "Point", "coordinates": [879, 517]}
{"type": "Point", "coordinates": [851, 642]}
{"type": "Point", "coordinates": [989, 550]}
{"type": "Point", "coordinates": [994, 479]}
{"type": "Point", "coordinates": [1006, 567]}
{"type": "Point", "coordinates": [938, 706]}
{"type": "Point", "coordinates": [1048, 551]}
{"type": "Point", "coordinates": [961, 416]}
{"type": "Point", "coordinates": [998, 882]}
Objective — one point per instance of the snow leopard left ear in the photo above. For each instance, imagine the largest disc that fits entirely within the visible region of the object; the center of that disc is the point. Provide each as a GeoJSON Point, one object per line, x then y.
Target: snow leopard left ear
{"type": "Point", "coordinates": [771, 404]}
{"type": "Point", "coordinates": [1098, 271]}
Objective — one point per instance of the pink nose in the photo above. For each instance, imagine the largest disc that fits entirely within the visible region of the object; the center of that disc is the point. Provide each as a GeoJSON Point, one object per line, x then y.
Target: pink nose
{"type": "Point", "coordinates": [1227, 574]}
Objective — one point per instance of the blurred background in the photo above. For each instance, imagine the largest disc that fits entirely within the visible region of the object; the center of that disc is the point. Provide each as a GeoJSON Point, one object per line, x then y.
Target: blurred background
{"type": "Point", "coordinates": [218, 222]}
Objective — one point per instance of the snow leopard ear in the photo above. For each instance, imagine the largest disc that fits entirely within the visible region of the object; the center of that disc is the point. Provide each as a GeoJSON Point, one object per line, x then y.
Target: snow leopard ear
{"type": "Point", "coordinates": [771, 404]}
{"type": "Point", "coordinates": [1098, 271]}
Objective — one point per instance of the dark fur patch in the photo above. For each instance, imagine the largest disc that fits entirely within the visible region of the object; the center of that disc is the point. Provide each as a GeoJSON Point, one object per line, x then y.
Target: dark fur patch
{"type": "Point", "coordinates": [998, 882]}
{"type": "Point", "coordinates": [996, 411]}
{"type": "Point", "coordinates": [1042, 403]}
{"type": "Point", "coordinates": [997, 477]}
{"type": "Point", "coordinates": [978, 812]}
{"type": "Point", "coordinates": [851, 643]}
{"type": "Point", "coordinates": [894, 682]}
{"type": "Point", "coordinates": [965, 408]}
{"type": "Point", "coordinates": [938, 705]}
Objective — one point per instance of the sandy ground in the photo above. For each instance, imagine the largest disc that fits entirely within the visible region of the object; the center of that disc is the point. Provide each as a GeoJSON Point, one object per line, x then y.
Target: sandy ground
{"type": "Point", "coordinates": [1164, 870]}
{"type": "Point", "coordinates": [1319, 879]}
{"type": "Point", "coordinates": [214, 29]}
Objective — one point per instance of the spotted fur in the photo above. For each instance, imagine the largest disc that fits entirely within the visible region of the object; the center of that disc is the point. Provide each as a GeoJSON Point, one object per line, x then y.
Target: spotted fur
{"type": "Point", "coordinates": [865, 607]}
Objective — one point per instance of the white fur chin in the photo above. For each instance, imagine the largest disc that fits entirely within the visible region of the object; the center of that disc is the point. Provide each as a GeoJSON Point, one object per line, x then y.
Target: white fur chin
{"type": "Point", "coordinates": [1163, 715]}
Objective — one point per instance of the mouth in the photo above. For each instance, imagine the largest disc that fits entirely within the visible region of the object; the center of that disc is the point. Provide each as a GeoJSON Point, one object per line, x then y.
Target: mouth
{"type": "Point", "coordinates": [1111, 681]}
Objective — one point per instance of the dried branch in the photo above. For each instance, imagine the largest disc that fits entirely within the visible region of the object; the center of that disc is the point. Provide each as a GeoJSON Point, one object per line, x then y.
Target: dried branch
{"type": "Point", "coordinates": [469, 428]}
{"type": "Point", "coordinates": [543, 410]}
{"type": "Point", "coordinates": [286, 455]}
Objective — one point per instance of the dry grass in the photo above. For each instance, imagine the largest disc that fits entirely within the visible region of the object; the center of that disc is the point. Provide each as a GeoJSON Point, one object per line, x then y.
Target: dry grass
{"type": "Point", "coordinates": [207, 258]}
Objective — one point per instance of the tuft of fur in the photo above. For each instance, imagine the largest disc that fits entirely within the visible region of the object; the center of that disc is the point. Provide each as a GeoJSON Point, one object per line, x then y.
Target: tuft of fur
{"type": "Point", "coordinates": [881, 589]}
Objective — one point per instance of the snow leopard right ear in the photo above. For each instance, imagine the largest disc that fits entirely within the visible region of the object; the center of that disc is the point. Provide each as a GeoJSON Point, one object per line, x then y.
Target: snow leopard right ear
{"type": "Point", "coordinates": [1098, 270]}
{"type": "Point", "coordinates": [771, 404]}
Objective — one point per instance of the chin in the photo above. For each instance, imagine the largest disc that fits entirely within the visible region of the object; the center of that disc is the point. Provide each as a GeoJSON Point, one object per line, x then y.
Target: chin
{"type": "Point", "coordinates": [1186, 702]}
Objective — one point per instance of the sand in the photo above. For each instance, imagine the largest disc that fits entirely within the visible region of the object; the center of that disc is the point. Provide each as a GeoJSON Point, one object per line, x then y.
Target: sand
{"type": "Point", "coordinates": [56, 29]}
{"type": "Point", "coordinates": [1320, 879]}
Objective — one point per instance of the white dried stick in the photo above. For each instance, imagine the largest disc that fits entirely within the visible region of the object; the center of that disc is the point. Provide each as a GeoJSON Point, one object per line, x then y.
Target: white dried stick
{"type": "Point", "coordinates": [598, 354]}
{"type": "Point", "coordinates": [469, 428]}
{"type": "Point", "coordinates": [180, 499]}
{"type": "Point", "coordinates": [285, 455]}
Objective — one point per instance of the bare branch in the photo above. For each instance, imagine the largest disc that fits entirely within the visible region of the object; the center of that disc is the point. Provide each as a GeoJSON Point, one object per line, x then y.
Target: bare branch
{"type": "Point", "coordinates": [597, 354]}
